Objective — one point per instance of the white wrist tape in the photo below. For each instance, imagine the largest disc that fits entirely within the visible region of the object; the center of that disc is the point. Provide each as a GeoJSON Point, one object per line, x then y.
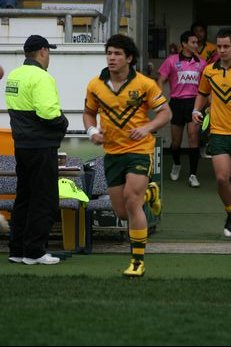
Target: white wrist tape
{"type": "Point", "coordinates": [92, 131]}
{"type": "Point", "coordinates": [197, 112]}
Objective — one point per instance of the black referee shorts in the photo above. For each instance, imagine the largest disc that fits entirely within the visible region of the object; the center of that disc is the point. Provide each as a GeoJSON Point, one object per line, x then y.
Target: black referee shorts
{"type": "Point", "coordinates": [181, 110]}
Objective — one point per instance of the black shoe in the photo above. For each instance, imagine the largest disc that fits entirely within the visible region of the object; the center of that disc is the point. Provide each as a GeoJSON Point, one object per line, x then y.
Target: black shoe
{"type": "Point", "coordinates": [227, 228]}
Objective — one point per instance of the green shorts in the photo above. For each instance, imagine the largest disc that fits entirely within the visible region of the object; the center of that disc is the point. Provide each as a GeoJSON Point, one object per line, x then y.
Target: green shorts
{"type": "Point", "coordinates": [219, 144]}
{"type": "Point", "coordinates": [118, 165]}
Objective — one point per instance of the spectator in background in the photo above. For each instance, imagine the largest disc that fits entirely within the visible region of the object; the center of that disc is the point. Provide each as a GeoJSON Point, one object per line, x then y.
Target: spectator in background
{"type": "Point", "coordinates": [183, 71]}
{"type": "Point", "coordinates": [206, 50]}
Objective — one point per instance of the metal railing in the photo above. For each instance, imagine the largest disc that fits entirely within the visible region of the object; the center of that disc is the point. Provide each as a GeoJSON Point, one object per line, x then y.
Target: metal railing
{"type": "Point", "coordinates": [98, 19]}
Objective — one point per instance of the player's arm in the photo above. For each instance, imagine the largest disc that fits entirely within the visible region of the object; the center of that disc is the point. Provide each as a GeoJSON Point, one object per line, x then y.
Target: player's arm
{"type": "Point", "coordinates": [200, 102]}
{"type": "Point", "coordinates": [161, 81]}
{"type": "Point", "coordinates": [163, 115]}
{"type": "Point", "coordinates": [90, 124]}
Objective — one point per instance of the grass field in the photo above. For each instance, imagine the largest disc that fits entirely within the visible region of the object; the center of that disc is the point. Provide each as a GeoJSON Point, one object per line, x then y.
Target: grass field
{"type": "Point", "coordinates": [191, 214]}
{"type": "Point", "coordinates": [183, 300]}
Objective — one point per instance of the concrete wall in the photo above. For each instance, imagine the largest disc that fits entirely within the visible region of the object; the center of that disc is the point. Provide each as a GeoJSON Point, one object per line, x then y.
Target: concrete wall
{"type": "Point", "coordinates": [71, 65]}
{"type": "Point", "coordinates": [14, 30]}
{"type": "Point", "coordinates": [176, 17]}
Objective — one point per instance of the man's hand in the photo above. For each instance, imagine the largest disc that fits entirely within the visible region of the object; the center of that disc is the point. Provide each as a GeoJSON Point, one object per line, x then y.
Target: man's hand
{"type": "Point", "coordinates": [197, 117]}
{"type": "Point", "coordinates": [138, 133]}
{"type": "Point", "coordinates": [97, 139]}
{"type": "Point", "coordinates": [95, 135]}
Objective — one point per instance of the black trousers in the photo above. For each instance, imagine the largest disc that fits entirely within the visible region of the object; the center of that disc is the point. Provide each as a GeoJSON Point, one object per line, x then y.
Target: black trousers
{"type": "Point", "coordinates": [37, 201]}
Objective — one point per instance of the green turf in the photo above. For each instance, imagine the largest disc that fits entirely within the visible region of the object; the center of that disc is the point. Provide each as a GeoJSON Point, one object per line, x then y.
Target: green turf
{"type": "Point", "coordinates": [190, 214]}
{"type": "Point", "coordinates": [55, 311]}
{"type": "Point", "coordinates": [80, 147]}
{"type": "Point", "coordinates": [183, 300]}
{"type": "Point", "coordinates": [164, 266]}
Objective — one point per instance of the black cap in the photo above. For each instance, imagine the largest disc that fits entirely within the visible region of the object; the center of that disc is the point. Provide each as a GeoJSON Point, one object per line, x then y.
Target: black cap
{"type": "Point", "coordinates": [36, 42]}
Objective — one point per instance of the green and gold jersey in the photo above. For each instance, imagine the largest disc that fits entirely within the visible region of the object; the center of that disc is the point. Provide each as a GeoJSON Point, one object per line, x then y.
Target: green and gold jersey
{"type": "Point", "coordinates": [208, 52]}
{"type": "Point", "coordinates": [217, 81]}
{"type": "Point", "coordinates": [124, 110]}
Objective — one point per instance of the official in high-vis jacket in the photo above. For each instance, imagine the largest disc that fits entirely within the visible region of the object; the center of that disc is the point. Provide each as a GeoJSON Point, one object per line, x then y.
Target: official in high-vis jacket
{"type": "Point", "coordinates": [38, 127]}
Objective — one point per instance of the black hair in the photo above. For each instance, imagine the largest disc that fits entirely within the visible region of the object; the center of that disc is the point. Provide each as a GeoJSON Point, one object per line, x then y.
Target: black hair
{"type": "Point", "coordinates": [126, 43]}
{"type": "Point", "coordinates": [224, 32]}
{"type": "Point", "coordinates": [198, 24]}
{"type": "Point", "coordinates": [185, 36]}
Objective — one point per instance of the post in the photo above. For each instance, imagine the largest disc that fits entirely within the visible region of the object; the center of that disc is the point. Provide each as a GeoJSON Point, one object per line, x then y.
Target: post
{"type": "Point", "coordinates": [68, 28]}
{"type": "Point", "coordinates": [115, 17]}
{"type": "Point", "coordinates": [141, 9]}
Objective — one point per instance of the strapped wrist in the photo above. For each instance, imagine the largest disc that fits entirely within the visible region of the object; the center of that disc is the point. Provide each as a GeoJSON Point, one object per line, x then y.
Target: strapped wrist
{"type": "Point", "coordinates": [195, 111]}
{"type": "Point", "coordinates": [92, 131]}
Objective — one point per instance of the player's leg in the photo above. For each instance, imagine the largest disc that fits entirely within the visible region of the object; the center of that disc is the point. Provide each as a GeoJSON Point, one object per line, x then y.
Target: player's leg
{"type": "Point", "coordinates": [194, 152]}
{"type": "Point", "coordinates": [176, 140]}
{"type": "Point", "coordinates": [152, 196]}
{"type": "Point", "coordinates": [222, 169]}
{"type": "Point", "coordinates": [134, 191]}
